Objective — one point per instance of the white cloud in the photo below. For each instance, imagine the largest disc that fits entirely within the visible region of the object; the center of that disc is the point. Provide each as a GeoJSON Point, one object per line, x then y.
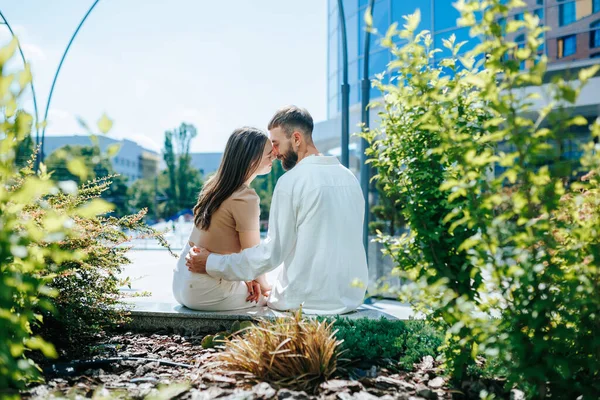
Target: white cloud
{"type": "Point", "coordinates": [142, 140]}
{"type": "Point", "coordinates": [33, 53]}
{"type": "Point", "coordinates": [61, 122]}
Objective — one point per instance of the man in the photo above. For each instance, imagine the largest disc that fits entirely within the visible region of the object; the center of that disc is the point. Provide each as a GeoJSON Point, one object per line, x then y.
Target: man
{"type": "Point", "coordinates": [315, 229]}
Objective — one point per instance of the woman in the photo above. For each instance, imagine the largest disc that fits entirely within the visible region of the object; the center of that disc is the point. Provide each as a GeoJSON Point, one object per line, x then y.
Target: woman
{"type": "Point", "coordinates": [226, 220]}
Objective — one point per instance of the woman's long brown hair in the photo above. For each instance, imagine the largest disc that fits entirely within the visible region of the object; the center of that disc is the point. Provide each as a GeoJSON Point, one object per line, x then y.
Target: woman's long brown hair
{"type": "Point", "coordinates": [242, 156]}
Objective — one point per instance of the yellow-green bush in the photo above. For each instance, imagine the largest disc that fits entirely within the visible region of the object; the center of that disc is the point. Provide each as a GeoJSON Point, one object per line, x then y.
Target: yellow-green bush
{"type": "Point", "coordinates": [60, 251]}
{"type": "Point", "coordinates": [448, 126]}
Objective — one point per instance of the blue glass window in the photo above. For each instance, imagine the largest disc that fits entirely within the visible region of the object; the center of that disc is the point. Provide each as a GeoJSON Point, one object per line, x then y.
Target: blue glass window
{"type": "Point", "coordinates": [502, 23]}
{"type": "Point", "coordinates": [596, 6]}
{"type": "Point", "coordinates": [519, 17]}
{"type": "Point", "coordinates": [596, 55]}
{"type": "Point", "coordinates": [352, 37]}
{"type": "Point", "coordinates": [567, 13]}
{"type": "Point", "coordinates": [381, 22]}
{"type": "Point", "coordinates": [595, 34]}
{"type": "Point", "coordinates": [350, 7]}
{"type": "Point", "coordinates": [377, 62]}
{"type": "Point", "coordinates": [444, 15]}
{"type": "Point", "coordinates": [567, 46]}
{"type": "Point", "coordinates": [540, 14]}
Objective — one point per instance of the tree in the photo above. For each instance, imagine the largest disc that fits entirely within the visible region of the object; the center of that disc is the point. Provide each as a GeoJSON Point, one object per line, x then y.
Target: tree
{"type": "Point", "coordinates": [184, 181]}
{"type": "Point", "coordinates": [24, 151]}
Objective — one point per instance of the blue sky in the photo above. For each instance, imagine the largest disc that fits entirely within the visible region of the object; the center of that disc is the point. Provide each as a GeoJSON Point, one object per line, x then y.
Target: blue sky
{"type": "Point", "coordinates": [152, 64]}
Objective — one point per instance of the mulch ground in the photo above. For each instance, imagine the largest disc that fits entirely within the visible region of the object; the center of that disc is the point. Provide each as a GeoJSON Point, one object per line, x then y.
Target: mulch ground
{"type": "Point", "coordinates": [141, 378]}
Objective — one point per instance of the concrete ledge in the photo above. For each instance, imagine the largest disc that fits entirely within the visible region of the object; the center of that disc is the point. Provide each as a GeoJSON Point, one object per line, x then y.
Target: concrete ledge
{"type": "Point", "coordinates": [149, 315]}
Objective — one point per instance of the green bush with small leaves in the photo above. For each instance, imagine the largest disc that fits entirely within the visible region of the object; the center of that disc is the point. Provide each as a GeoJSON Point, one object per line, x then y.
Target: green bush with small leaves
{"type": "Point", "coordinates": [87, 297]}
{"type": "Point", "coordinates": [504, 240]}
{"type": "Point", "coordinates": [373, 341]}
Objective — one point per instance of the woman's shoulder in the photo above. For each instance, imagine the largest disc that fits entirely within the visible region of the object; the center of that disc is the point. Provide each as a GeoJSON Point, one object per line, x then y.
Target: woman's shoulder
{"type": "Point", "coordinates": [245, 194]}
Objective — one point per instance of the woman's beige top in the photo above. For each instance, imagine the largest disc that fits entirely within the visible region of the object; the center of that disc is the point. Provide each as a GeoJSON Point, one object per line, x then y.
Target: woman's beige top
{"type": "Point", "coordinates": [238, 213]}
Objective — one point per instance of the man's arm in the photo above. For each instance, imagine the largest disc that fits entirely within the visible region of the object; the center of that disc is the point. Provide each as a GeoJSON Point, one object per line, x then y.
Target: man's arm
{"type": "Point", "coordinates": [255, 261]}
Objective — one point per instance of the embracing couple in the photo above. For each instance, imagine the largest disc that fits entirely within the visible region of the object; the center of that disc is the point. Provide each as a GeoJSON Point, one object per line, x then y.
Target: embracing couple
{"type": "Point", "coordinates": [315, 228]}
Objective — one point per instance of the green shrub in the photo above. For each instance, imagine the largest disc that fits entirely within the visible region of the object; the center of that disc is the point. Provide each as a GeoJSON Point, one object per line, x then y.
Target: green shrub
{"type": "Point", "coordinates": [87, 300]}
{"type": "Point", "coordinates": [25, 244]}
{"type": "Point", "coordinates": [60, 250]}
{"type": "Point", "coordinates": [537, 312]}
{"type": "Point", "coordinates": [411, 169]}
{"type": "Point", "coordinates": [373, 341]}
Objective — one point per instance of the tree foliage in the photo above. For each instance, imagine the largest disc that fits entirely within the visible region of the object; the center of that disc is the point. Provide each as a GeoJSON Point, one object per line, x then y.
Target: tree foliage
{"type": "Point", "coordinates": [184, 182]}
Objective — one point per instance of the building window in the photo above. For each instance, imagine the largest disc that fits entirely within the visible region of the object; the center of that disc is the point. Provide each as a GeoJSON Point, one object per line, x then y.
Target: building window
{"type": "Point", "coordinates": [539, 2]}
{"type": "Point", "coordinates": [502, 23]}
{"type": "Point", "coordinates": [540, 14]}
{"type": "Point", "coordinates": [595, 34]}
{"type": "Point", "coordinates": [567, 13]}
{"type": "Point", "coordinates": [596, 6]}
{"type": "Point", "coordinates": [567, 46]}
{"type": "Point", "coordinates": [519, 17]}
{"type": "Point", "coordinates": [595, 55]}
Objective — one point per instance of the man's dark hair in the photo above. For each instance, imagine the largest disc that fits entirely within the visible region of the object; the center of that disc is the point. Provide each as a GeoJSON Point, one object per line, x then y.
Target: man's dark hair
{"type": "Point", "coordinates": [291, 118]}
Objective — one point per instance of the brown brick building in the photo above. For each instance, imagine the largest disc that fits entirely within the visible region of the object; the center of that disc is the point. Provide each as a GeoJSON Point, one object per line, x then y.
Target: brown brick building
{"type": "Point", "coordinates": [574, 28]}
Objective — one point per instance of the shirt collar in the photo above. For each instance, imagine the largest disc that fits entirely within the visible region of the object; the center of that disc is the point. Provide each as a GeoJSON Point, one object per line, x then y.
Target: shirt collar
{"type": "Point", "coordinates": [322, 160]}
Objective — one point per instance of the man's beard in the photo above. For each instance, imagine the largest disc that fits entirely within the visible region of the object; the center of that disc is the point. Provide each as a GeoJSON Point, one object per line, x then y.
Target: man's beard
{"type": "Point", "coordinates": [289, 159]}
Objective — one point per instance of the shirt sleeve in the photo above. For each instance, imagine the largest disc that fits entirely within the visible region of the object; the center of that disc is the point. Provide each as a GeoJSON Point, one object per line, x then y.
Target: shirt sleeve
{"type": "Point", "coordinates": [255, 261]}
{"type": "Point", "coordinates": [245, 209]}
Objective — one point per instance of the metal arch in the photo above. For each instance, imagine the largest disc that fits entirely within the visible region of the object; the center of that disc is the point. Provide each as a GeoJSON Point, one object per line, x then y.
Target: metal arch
{"type": "Point", "coordinates": [58, 71]}
{"type": "Point", "coordinates": [35, 108]}
{"type": "Point", "coordinates": [364, 166]}
{"type": "Point", "coordinates": [345, 89]}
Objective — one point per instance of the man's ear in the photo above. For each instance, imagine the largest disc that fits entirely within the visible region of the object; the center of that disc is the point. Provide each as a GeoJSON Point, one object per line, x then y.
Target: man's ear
{"type": "Point", "coordinates": [297, 138]}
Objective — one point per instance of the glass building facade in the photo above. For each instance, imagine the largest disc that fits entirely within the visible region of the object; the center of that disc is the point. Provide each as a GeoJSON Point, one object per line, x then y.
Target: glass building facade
{"type": "Point", "coordinates": [437, 16]}
{"type": "Point", "coordinates": [574, 35]}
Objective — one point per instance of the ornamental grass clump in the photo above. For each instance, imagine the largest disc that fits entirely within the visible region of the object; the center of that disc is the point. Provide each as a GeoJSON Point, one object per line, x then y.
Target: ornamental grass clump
{"type": "Point", "coordinates": [292, 352]}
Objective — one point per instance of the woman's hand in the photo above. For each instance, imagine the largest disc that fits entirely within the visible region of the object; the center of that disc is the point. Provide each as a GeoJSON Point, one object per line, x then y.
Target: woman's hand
{"type": "Point", "coordinates": [265, 289]}
{"type": "Point", "coordinates": [254, 291]}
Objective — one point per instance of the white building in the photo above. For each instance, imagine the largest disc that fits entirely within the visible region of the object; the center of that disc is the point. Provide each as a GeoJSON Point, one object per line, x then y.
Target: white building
{"type": "Point", "coordinates": [132, 161]}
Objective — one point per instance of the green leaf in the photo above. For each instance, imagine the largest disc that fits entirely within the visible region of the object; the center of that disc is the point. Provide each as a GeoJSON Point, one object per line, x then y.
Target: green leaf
{"type": "Point", "coordinates": [94, 208]}
{"type": "Point", "coordinates": [105, 124]}
{"type": "Point", "coordinates": [586, 73]}
{"type": "Point", "coordinates": [579, 121]}
{"type": "Point", "coordinates": [77, 167]}
{"type": "Point", "coordinates": [368, 18]}
{"type": "Point", "coordinates": [413, 21]}
{"type": "Point", "coordinates": [113, 150]}
{"type": "Point", "coordinates": [83, 124]}
{"type": "Point", "coordinates": [37, 343]}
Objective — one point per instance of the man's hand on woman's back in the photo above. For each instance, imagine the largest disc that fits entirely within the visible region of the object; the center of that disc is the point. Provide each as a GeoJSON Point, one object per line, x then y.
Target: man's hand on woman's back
{"type": "Point", "coordinates": [196, 260]}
